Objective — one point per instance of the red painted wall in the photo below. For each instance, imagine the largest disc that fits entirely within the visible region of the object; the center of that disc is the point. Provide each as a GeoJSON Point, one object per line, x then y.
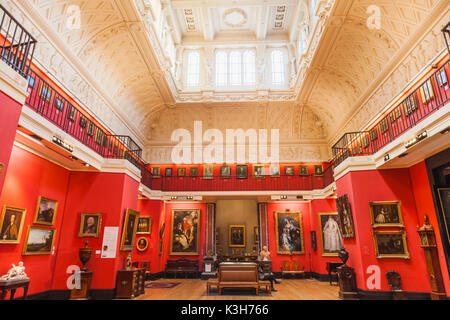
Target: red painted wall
{"type": "Point", "coordinates": [385, 185]}
{"type": "Point", "coordinates": [9, 115]}
{"type": "Point", "coordinates": [29, 177]}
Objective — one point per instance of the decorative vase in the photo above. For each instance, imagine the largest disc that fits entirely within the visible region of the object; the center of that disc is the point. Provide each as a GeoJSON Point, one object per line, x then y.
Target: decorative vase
{"type": "Point", "coordinates": [85, 254]}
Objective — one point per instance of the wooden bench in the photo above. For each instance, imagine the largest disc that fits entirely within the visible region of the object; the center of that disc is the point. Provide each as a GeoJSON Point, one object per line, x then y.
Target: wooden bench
{"type": "Point", "coordinates": [183, 266]}
{"type": "Point", "coordinates": [267, 285]}
{"type": "Point", "coordinates": [238, 275]}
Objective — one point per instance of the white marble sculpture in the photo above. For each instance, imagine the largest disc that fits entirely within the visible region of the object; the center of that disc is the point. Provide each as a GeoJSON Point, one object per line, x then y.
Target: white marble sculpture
{"type": "Point", "coordinates": [15, 273]}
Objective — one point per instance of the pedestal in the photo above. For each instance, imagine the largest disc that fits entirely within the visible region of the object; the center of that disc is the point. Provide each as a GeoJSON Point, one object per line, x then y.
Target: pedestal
{"type": "Point", "coordinates": [347, 283]}
{"type": "Point", "coordinates": [209, 269]}
{"type": "Point", "coordinates": [83, 292]}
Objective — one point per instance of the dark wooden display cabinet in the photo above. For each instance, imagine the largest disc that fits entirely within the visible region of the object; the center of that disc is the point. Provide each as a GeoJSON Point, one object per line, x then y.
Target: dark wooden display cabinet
{"type": "Point", "coordinates": [130, 283]}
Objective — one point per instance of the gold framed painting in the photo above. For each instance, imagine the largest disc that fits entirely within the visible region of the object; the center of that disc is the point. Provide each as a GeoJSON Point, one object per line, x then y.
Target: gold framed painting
{"type": "Point", "coordinates": [11, 225]}
{"type": "Point", "coordinates": [129, 230]}
{"type": "Point", "coordinates": [39, 241]}
{"type": "Point", "coordinates": [184, 232]}
{"type": "Point", "coordinates": [142, 244]}
{"type": "Point", "coordinates": [303, 171]}
{"type": "Point", "coordinates": [181, 172]}
{"type": "Point", "coordinates": [386, 214]}
{"type": "Point", "coordinates": [90, 225]}
{"type": "Point", "coordinates": [345, 217]}
{"type": "Point", "coordinates": [236, 236]}
{"type": "Point", "coordinates": [156, 172]}
{"type": "Point", "coordinates": [208, 171]}
{"type": "Point", "coordinates": [289, 232]}
{"type": "Point", "coordinates": [330, 234]}
{"type": "Point", "coordinates": [144, 225]}
{"type": "Point", "coordinates": [318, 171]}
{"type": "Point", "coordinates": [259, 171]}
{"type": "Point", "coordinates": [45, 211]}
{"type": "Point", "coordinates": [391, 244]}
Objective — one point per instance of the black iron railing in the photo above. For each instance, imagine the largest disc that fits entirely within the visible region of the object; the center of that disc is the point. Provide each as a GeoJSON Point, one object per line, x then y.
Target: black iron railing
{"type": "Point", "coordinates": [429, 97]}
{"type": "Point", "coordinates": [16, 44]}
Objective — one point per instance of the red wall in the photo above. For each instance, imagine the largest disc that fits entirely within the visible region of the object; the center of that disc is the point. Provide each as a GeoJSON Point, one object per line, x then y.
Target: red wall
{"type": "Point", "coordinates": [29, 177]}
{"type": "Point", "coordinates": [9, 114]}
{"type": "Point", "coordinates": [385, 185]}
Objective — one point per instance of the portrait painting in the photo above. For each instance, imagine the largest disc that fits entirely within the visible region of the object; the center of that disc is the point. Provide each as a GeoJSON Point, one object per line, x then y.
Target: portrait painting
{"type": "Point", "coordinates": [391, 244]}
{"type": "Point", "coordinates": [236, 236]}
{"type": "Point", "coordinates": [258, 171]}
{"type": "Point", "coordinates": [129, 230]}
{"type": "Point", "coordinates": [345, 217]}
{"type": "Point", "coordinates": [45, 211]}
{"type": "Point", "coordinates": [193, 172]}
{"type": "Point", "coordinates": [242, 172]}
{"type": "Point", "coordinates": [11, 225]}
{"type": "Point", "coordinates": [386, 214]}
{"type": "Point", "coordinates": [330, 234]}
{"type": "Point", "coordinates": [289, 232]}
{"type": "Point", "coordinates": [303, 170]}
{"type": "Point", "coordinates": [314, 240]}
{"type": "Point", "coordinates": [225, 172]}
{"type": "Point", "coordinates": [184, 237]}
{"type": "Point", "coordinates": [90, 225]}
{"type": "Point", "coordinates": [318, 171]}
{"type": "Point", "coordinates": [156, 171]}
{"type": "Point", "coordinates": [289, 171]}
{"type": "Point", "coordinates": [142, 244]}
{"type": "Point", "coordinates": [274, 171]}
{"type": "Point", "coordinates": [168, 172]}
{"type": "Point", "coordinates": [181, 172]}
{"type": "Point", "coordinates": [39, 241]}
{"type": "Point", "coordinates": [144, 225]}
{"type": "Point", "coordinates": [208, 171]}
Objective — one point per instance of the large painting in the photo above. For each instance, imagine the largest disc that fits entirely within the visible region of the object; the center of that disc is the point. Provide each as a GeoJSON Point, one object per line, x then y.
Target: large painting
{"type": "Point", "coordinates": [45, 211]}
{"type": "Point", "coordinates": [184, 237]}
{"type": "Point", "coordinates": [345, 217]}
{"type": "Point", "coordinates": [386, 214]}
{"type": "Point", "coordinates": [391, 244]}
{"type": "Point", "coordinates": [11, 225]}
{"type": "Point", "coordinates": [289, 232]}
{"type": "Point", "coordinates": [129, 230]}
{"type": "Point", "coordinates": [236, 236]}
{"type": "Point", "coordinates": [39, 241]}
{"type": "Point", "coordinates": [330, 234]}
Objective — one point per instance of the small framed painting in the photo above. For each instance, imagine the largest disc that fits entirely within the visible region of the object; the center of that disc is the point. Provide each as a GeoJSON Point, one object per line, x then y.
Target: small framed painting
{"type": "Point", "coordinates": [193, 172]}
{"type": "Point", "coordinates": [318, 171]}
{"type": "Point", "coordinates": [303, 171]}
{"type": "Point", "coordinates": [156, 171]}
{"type": "Point", "coordinates": [207, 171]}
{"type": "Point", "coordinates": [11, 225]}
{"type": "Point", "coordinates": [242, 172]}
{"type": "Point", "coordinates": [181, 172]}
{"type": "Point", "coordinates": [274, 171]}
{"type": "Point", "coordinates": [258, 171]}
{"type": "Point", "coordinates": [144, 225]}
{"type": "Point", "coordinates": [391, 244]}
{"type": "Point", "coordinates": [142, 244]}
{"type": "Point", "coordinates": [168, 172]}
{"type": "Point", "coordinates": [90, 225]}
{"type": "Point", "coordinates": [45, 211]}
{"type": "Point", "coordinates": [236, 236]}
{"type": "Point", "coordinates": [386, 214]}
{"type": "Point", "coordinates": [289, 171]}
{"type": "Point", "coordinates": [39, 241]}
{"type": "Point", "coordinates": [129, 230]}
{"type": "Point", "coordinates": [225, 172]}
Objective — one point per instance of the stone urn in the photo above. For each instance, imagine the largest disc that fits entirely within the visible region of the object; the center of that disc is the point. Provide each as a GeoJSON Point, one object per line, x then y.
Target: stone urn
{"type": "Point", "coordinates": [85, 254]}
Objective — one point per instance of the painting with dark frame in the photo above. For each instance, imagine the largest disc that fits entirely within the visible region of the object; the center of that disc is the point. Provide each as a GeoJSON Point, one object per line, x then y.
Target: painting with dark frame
{"type": "Point", "coordinates": [45, 211]}
{"type": "Point", "coordinates": [289, 232]}
{"type": "Point", "coordinates": [90, 225]}
{"type": "Point", "coordinates": [156, 172]}
{"type": "Point", "coordinates": [181, 172]}
{"type": "Point", "coordinates": [318, 171]}
{"type": "Point", "coordinates": [90, 129]}
{"type": "Point", "coordinates": [45, 92]}
{"type": "Point", "coordinates": [259, 171]}
{"type": "Point", "coordinates": [289, 171]}
{"type": "Point", "coordinates": [39, 241]}
{"type": "Point", "coordinates": [59, 104]}
{"type": "Point", "coordinates": [144, 225]}
{"type": "Point", "coordinates": [345, 217]}
{"type": "Point", "coordinates": [242, 172]}
{"type": "Point", "coordinates": [193, 172]}
{"type": "Point", "coordinates": [384, 126]}
{"type": "Point", "coordinates": [184, 232]}
{"type": "Point", "coordinates": [386, 214]}
{"type": "Point", "coordinates": [71, 113]}
{"type": "Point", "coordinates": [373, 135]}
{"type": "Point", "coordinates": [11, 225]}
{"type": "Point", "coordinates": [391, 244]}
{"type": "Point", "coordinates": [314, 240]}
{"type": "Point", "coordinates": [129, 230]}
{"type": "Point", "coordinates": [303, 170]}
{"type": "Point", "coordinates": [168, 172]}
{"type": "Point", "coordinates": [410, 104]}
{"type": "Point", "coordinates": [225, 172]}
{"type": "Point", "coordinates": [236, 236]}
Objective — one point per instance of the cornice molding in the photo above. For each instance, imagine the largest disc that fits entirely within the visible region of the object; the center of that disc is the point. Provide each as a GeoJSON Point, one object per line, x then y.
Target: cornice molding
{"type": "Point", "coordinates": [13, 84]}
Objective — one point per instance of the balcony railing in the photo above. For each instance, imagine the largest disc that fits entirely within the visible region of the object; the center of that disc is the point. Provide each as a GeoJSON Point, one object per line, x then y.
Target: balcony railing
{"type": "Point", "coordinates": [16, 44]}
{"type": "Point", "coordinates": [429, 97]}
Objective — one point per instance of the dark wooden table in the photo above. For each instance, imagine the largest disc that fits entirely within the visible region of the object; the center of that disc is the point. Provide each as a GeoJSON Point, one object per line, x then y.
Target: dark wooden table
{"type": "Point", "coordinates": [11, 285]}
{"type": "Point", "coordinates": [332, 268]}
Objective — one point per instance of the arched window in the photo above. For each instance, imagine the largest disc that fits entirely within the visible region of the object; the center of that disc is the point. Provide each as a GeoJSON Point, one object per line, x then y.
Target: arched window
{"type": "Point", "coordinates": [249, 68]}
{"type": "Point", "coordinates": [278, 72]}
{"type": "Point", "coordinates": [221, 69]}
{"type": "Point", "coordinates": [235, 68]}
{"type": "Point", "coordinates": [193, 69]}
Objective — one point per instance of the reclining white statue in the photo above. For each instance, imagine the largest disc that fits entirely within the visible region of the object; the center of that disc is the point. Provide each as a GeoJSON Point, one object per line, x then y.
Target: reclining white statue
{"type": "Point", "coordinates": [15, 273]}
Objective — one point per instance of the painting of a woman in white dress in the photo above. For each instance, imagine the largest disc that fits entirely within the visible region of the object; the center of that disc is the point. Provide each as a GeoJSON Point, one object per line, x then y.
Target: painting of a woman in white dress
{"type": "Point", "coordinates": [331, 234]}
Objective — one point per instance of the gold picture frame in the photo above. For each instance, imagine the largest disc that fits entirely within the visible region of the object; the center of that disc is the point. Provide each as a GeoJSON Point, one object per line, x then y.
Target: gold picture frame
{"type": "Point", "coordinates": [90, 230]}
{"type": "Point", "coordinates": [17, 227]}
{"type": "Point", "coordinates": [144, 241]}
{"type": "Point", "coordinates": [45, 243]}
{"type": "Point", "coordinates": [144, 225]}
{"type": "Point", "coordinates": [129, 230]}
{"type": "Point", "coordinates": [237, 236]}
{"type": "Point", "coordinates": [318, 171]}
{"type": "Point", "coordinates": [208, 171]}
{"type": "Point", "coordinates": [400, 238]}
{"type": "Point", "coordinates": [386, 214]}
{"type": "Point", "coordinates": [185, 226]}
{"type": "Point", "coordinates": [323, 221]}
{"type": "Point", "coordinates": [48, 216]}
{"type": "Point", "coordinates": [289, 222]}
{"type": "Point", "coordinates": [259, 171]}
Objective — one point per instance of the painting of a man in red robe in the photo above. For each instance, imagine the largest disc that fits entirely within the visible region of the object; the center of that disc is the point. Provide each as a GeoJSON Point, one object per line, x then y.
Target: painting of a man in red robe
{"type": "Point", "coordinates": [184, 239]}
